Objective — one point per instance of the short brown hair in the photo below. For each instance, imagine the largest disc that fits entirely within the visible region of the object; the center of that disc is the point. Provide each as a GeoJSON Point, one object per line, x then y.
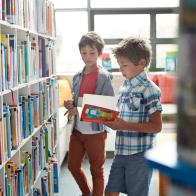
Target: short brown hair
{"type": "Point", "coordinates": [135, 49]}
{"type": "Point", "coordinates": [93, 39]}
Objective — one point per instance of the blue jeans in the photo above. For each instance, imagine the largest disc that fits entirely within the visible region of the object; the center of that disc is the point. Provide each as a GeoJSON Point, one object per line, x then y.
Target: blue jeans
{"type": "Point", "coordinates": [129, 174]}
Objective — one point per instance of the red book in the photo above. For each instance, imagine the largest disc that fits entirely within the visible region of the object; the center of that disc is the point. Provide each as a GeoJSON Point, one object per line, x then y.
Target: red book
{"type": "Point", "coordinates": [92, 113]}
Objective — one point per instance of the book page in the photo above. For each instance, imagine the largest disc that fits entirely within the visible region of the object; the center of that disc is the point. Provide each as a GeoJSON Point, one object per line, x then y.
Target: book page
{"type": "Point", "coordinates": [108, 102]}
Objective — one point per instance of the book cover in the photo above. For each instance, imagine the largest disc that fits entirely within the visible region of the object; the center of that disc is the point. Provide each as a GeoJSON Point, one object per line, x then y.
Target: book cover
{"type": "Point", "coordinates": [92, 113]}
{"type": "Point", "coordinates": [98, 108]}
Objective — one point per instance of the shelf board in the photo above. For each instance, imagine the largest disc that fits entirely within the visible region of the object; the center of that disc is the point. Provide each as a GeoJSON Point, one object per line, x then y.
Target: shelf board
{"type": "Point", "coordinates": [166, 160]}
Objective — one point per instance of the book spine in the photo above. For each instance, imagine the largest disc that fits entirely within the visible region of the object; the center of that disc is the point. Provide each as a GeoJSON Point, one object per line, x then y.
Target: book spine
{"type": "Point", "coordinates": [8, 128]}
{"type": "Point", "coordinates": [55, 176]}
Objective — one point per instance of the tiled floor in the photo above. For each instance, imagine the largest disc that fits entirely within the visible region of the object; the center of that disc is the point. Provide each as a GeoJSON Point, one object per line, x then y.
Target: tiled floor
{"type": "Point", "coordinates": [68, 187]}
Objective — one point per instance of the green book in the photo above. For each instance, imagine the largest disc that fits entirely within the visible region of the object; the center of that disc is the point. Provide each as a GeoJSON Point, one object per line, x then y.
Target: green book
{"type": "Point", "coordinates": [26, 61]}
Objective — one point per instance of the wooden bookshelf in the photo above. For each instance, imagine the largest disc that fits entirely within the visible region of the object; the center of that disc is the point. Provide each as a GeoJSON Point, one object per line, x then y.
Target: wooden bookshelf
{"type": "Point", "coordinates": [28, 98]}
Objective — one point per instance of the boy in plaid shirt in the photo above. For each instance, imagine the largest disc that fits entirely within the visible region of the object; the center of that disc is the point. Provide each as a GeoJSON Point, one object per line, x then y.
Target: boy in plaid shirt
{"type": "Point", "coordinates": [138, 122]}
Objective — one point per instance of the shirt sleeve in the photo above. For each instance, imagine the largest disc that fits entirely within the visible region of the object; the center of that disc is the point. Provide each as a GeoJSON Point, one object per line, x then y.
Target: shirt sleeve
{"type": "Point", "coordinates": [153, 100]}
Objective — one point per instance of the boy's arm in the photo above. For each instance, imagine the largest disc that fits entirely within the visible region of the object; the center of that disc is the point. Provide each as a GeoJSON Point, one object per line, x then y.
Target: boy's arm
{"type": "Point", "coordinates": [154, 124]}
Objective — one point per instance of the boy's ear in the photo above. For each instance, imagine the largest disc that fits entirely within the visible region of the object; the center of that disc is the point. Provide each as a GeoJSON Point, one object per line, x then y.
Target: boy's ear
{"type": "Point", "coordinates": [142, 62]}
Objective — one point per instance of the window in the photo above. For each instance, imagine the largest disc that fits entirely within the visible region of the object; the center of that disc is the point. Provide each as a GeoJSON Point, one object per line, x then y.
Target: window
{"type": "Point", "coordinates": [133, 3]}
{"type": "Point", "coordinates": [69, 28]}
{"type": "Point", "coordinates": [167, 25]}
{"type": "Point", "coordinates": [115, 20]}
{"type": "Point", "coordinates": [60, 4]}
{"type": "Point", "coordinates": [120, 25]}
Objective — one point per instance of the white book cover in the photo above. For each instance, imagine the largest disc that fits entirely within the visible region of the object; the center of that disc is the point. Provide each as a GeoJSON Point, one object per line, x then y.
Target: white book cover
{"type": "Point", "coordinates": [108, 102]}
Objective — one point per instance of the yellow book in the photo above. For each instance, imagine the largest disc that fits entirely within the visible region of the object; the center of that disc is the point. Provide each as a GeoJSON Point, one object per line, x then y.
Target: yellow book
{"type": "Point", "coordinates": [5, 41]}
{"type": "Point", "coordinates": [5, 135]}
{"type": "Point", "coordinates": [25, 161]}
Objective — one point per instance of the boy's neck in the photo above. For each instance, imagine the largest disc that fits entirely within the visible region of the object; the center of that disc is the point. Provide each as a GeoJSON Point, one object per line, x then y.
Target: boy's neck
{"type": "Point", "coordinates": [90, 69]}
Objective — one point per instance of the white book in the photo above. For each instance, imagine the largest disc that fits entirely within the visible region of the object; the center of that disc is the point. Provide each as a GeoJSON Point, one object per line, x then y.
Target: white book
{"type": "Point", "coordinates": [108, 102]}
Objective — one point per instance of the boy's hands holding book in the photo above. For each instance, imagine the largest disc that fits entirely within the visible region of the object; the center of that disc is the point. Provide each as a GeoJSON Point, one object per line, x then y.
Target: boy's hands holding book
{"type": "Point", "coordinates": [117, 124]}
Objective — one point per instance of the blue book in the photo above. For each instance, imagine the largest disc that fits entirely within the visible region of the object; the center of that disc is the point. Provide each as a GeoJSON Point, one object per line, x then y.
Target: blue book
{"type": "Point", "coordinates": [55, 177]}
{"type": "Point", "coordinates": [26, 55]}
{"type": "Point", "coordinates": [30, 115]}
{"type": "Point", "coordinates": [4, 65]}
{"type": "Point", "coordinates": [23, 116]}
{"type": "Point", "coordinates": [44, 186]}
{"type": "Point", "coordinates": [20, 192]}
{"type": "Point", "coordinates": [6, 184]}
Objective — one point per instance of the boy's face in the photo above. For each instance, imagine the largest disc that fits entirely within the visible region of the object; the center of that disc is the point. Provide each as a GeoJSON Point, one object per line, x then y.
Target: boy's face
{"type": "Point", "coordinates": [89, 55]}
{"type": "Point", "coordinates": [128, 69]}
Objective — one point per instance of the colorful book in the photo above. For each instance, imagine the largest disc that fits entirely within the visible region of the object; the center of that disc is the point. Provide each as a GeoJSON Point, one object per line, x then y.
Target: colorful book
{"type": "Point", "coordinates": [98, 108]}
{"type": "Point", "coordinates": [92, 113]}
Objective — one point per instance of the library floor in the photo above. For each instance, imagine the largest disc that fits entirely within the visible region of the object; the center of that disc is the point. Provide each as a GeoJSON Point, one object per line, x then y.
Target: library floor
{"type": "Point", "coordinates": [68, 187]}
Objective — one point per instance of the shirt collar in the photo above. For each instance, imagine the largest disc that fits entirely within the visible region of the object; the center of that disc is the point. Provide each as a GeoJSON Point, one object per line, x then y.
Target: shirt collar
{"type": "Point", "coordinates": [136, 80]}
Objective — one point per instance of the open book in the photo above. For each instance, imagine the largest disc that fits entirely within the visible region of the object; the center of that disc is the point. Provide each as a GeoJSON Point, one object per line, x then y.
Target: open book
{"type": "Point", "coordinates": [98, 108]}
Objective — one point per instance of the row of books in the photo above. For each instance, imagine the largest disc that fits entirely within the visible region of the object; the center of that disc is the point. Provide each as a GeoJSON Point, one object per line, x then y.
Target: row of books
{"type": "Point", "coordinates": [24, 61]}
{"type": "Point", "coordinates": [20, 178]}
{"type": "Point", "coordinates": [49, 179]}
{"type": "Point", "coordinates": [37, 15]}
{"type": "Point", "coordinates": [19, 121]}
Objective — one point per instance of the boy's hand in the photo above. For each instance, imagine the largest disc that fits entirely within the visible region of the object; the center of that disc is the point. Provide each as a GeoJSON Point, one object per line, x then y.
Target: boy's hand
{"type": "Point", "coordinates": [118, 124]}
{"type": "Point", "coordinates": [68, 104]}
{"type": "Point", "coordinates": [73, 111]}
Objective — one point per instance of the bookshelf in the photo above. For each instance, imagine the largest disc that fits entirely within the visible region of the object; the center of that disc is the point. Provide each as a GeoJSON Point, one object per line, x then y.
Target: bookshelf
{"type": "Point", "coordinates": [178, 161]}
{"type": "Point", "coordinates": [172, 166]}
{"type": "Point", "coordinates": [28, 99]}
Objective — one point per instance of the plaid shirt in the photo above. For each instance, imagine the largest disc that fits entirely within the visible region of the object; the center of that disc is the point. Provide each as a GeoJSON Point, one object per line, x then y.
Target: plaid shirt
{"type": "Point", "coordinates": [138, 98]}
